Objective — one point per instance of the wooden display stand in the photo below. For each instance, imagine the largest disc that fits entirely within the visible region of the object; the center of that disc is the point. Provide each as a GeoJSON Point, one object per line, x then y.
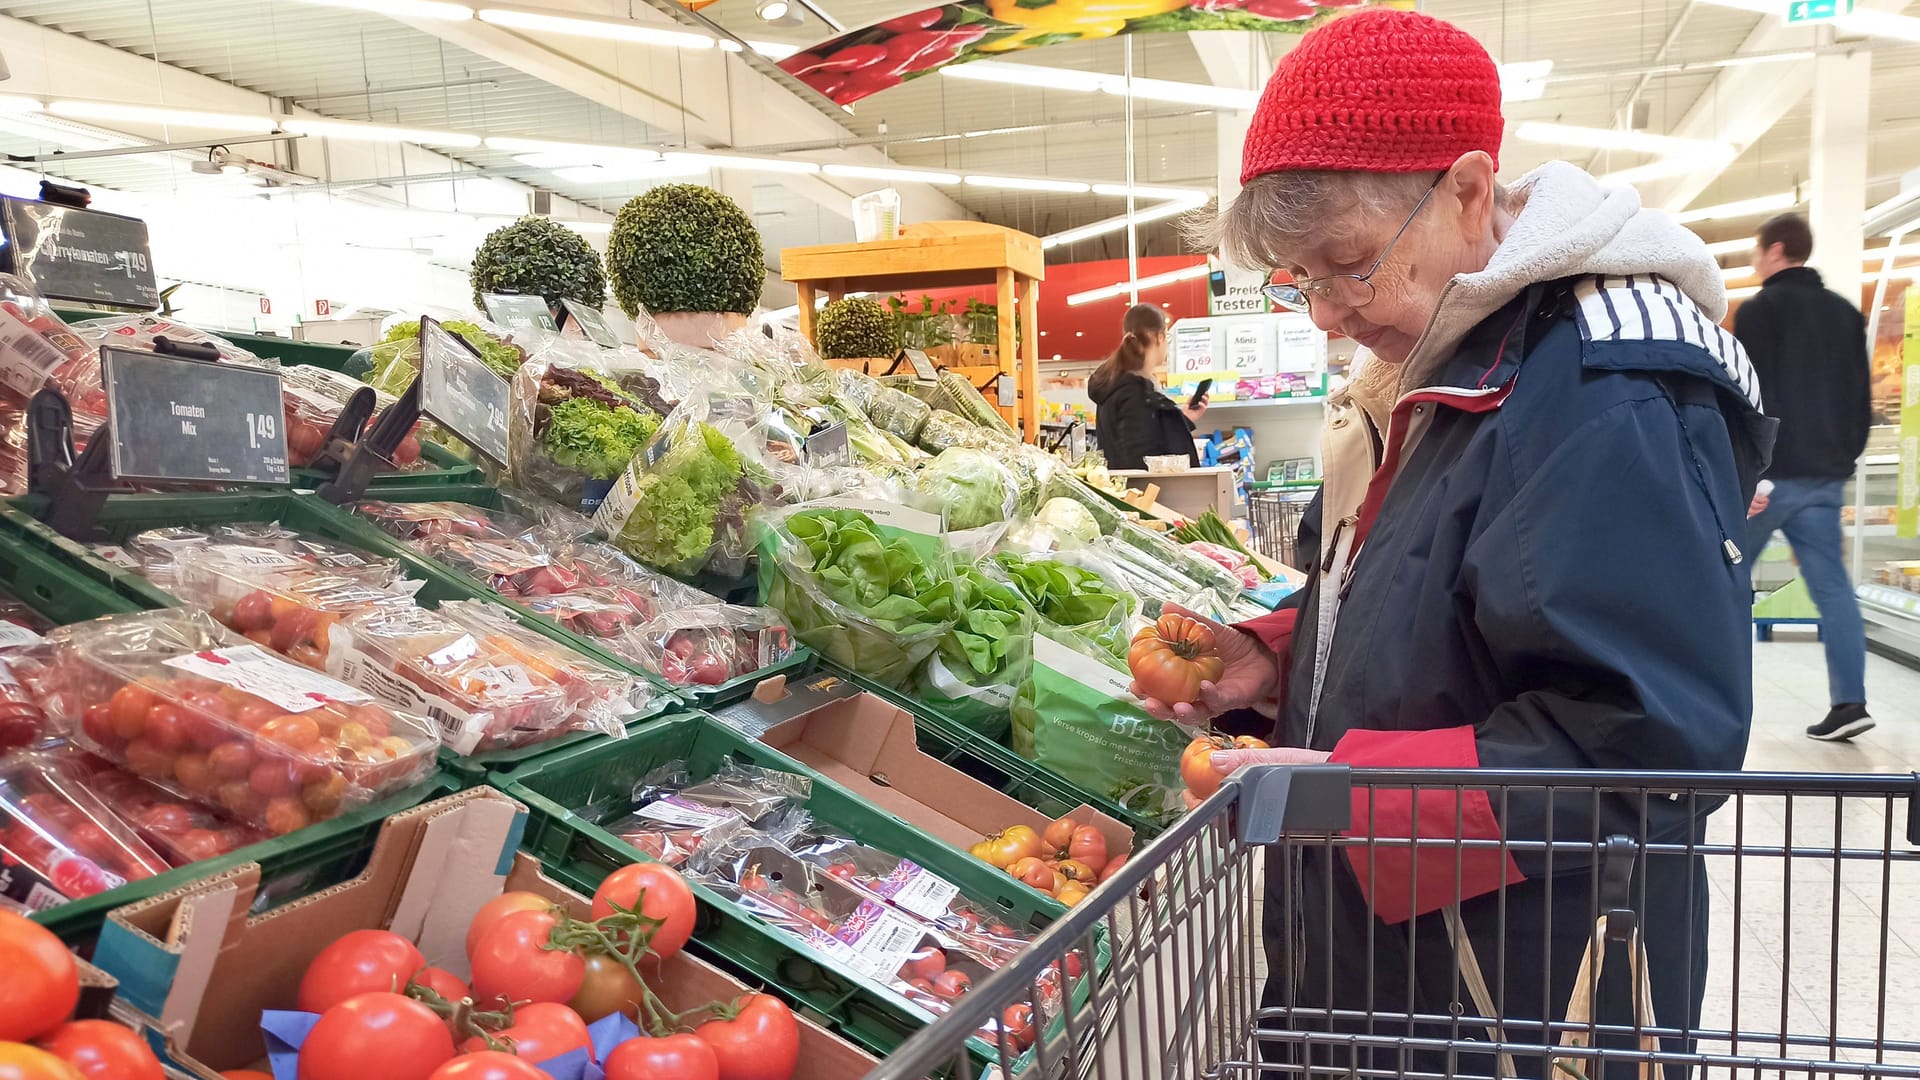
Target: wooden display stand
{"type": "Point", "coordinates": [941, 255]}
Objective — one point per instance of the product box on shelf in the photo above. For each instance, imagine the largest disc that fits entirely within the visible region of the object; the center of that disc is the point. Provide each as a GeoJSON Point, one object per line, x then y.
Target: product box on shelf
{"type": "Point", "coordinates": [577, 795]}
{"type": "Point", "coordinates": [195, 961]}
{"type": "Point", "coordinates": [868, 745]}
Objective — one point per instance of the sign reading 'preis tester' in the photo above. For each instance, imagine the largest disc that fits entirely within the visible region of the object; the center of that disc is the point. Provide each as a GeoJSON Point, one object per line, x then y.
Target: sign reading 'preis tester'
{"type": "Point", "coordinates": [193, 421]}
{"type": "Point", "coordinates": [79, 255]}
{"type": "Point", "coordinates": [461, 393]}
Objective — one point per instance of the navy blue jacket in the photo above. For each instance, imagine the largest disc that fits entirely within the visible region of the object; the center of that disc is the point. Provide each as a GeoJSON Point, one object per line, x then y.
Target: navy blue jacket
{"type": "Point", "coordinates": [1549, 579]}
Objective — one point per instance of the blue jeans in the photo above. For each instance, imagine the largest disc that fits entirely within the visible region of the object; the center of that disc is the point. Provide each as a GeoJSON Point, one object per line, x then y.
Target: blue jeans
{"type": "Point", "coordinates": [1808, 512]}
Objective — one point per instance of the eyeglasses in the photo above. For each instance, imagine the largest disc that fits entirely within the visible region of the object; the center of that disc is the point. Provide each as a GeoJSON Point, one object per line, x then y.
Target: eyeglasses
{"type": "Point", "coordinates": [1347, 290]}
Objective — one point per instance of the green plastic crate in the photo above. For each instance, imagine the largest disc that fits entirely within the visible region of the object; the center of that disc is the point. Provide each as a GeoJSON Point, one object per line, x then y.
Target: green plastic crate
{"type": "Point", "coordinates": [448, 468]}
{"type": "Point", "coordinates": [995, 765]}
{"type": "Point", "coordinates": [47, 579]}
{"type": "Point", "coordinates": [559, 790]}
{"type": "Point", "coordinates": [21, 536]}
{"type": "Point", "coordinates": [291, 866]}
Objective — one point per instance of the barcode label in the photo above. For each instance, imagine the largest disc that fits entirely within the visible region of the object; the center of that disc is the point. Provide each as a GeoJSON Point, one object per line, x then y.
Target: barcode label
{"type": "Point", "coordinates": [915, 889]}
{"type": "Point", "coordinates": [26, 358]}
{"type": "Point", "coordinates": [881, 938]}
{"type": "Point", "coordinates": [673, 810]}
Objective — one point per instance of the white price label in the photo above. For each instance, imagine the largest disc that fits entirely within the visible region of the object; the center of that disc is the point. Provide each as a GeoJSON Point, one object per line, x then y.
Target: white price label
{"type": "Point", "coordinates": [262, 674]}
{"type": "Point", "coordinates": [881, 938]}
{"type": "Point", "coordinates": [913, 888]}
{"type": "Point", "coordinates": [684, 813]}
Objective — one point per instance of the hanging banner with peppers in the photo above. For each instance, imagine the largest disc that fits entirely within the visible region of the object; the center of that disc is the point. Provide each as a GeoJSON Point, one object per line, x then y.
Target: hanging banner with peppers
{"type": "Point", "coordinates": [864, 62]}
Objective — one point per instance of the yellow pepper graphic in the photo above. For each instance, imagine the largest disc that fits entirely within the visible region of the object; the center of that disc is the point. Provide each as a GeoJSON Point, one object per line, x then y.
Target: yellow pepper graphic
{"type": "Point", "coordinates": [1084, 18]}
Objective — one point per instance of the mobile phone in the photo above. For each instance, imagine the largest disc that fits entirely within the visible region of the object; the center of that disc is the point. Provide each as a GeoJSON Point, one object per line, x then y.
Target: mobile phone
{"type": "Point", "coordinates": [1199, 392]}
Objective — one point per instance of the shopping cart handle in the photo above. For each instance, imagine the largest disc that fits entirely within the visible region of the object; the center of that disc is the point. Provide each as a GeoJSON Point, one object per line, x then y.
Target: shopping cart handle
{"type": "Point", "coordinates": [1292, 800]}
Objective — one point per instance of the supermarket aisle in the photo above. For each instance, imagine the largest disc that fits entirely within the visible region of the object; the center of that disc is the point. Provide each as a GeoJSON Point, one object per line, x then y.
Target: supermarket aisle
{"type": "Point", "coordinates": [1790, 692]}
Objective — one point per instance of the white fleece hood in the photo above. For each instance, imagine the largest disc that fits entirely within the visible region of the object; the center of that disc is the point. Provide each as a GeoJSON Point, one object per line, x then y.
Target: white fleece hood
{"type": "Point", "coordinates": [1570, 224]}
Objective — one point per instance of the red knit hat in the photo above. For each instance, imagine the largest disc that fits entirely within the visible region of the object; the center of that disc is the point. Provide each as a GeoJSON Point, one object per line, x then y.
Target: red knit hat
{"type": "Point", "coordinates": [1377, 91]}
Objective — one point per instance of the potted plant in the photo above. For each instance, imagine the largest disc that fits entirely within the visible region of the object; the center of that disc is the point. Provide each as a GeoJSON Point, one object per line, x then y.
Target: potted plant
{"type": "Point", "coordinates": [537, 256]}
{"type": "Point", "coordinates": [689, 257]}
{"type": "Point", "coordinates": [858, 333]}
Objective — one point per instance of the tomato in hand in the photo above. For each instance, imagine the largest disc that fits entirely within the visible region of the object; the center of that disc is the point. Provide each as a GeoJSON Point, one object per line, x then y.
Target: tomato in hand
{"type": "Point", "coordinates": [1171, 658]}
{"type": "Point", "coordinates": [606, 988]}
{"type": "Point", "coordinates": [39, 982]}
{"type": "Point", "coordinates": [660, 892]}
{"type": "Point", "coordinates": [103, 1050]}
{"type": "Point", "coordinates": [540, 1031]}
{"type": "Point", "coordinates": [361, 962]}
{"type": "Point", "coordinates": [1196, 761]}
{"type": "Point", "coordinates": [498, 908]}
{"type": "Point", "coordinates": [19, 1061]}
{"type": "Point", "coordinates": [512, 963]}
{"type": "Point", "coordinates": [676, 1057]}
{"type": "Point", "coordinates": [384, 1035]}
{"type": "Point", "coordinates": [756, 1038]}
{"type": "Point", "coordinates": [489, 1065]}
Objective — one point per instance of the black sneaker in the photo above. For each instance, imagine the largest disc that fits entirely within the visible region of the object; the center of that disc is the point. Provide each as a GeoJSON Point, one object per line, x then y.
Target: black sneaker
{"type": "Point", "coordinates": [1843, 722]}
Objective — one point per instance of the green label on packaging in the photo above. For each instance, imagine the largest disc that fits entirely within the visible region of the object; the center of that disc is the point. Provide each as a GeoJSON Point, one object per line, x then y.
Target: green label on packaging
{"type": "Point", "coordinates": [1077, 717]}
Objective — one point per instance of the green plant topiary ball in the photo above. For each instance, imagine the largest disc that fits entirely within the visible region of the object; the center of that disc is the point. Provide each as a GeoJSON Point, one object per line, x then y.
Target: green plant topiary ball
{"type": "Point", "coordinates": [685, 247]}
{"type": "Point", "coordinates": [539, 256]}
{"type": "Point", "coordinates": [857, 328]}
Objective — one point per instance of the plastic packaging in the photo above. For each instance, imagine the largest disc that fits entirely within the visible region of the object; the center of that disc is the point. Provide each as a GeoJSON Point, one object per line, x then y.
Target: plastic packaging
{"type": "Point", "coordinates": [64, 835]}
{"type": "Point", "coordinates": [420, 522]}
{"type": "Point", "coordinates": [573, 427]}
{"type": "Point", "coordinates": [673, 817]}
{"type": "Point", "coordinates": [283, 602]}
{"type": "Point", "coordinates": [38, 350]}
{"type": "Point", "coordinates": [182, 832]}
{"type": "Point", "coordinates": [978, 665]}
{"type": "Point", "coordinates": [180, 700]}
{"type": "Point", "coordinates": [23, 675]}
{"type": "Point", "coordinates": [313, 398]}
{"type": "Point", "coordinates": [600, 698]}
{"type": "Point", "coordinates": [972, 487]}
{"type": "Point", "coordinates": [707, 646]}
{"type": "Point", "coordinates": [944, 431]}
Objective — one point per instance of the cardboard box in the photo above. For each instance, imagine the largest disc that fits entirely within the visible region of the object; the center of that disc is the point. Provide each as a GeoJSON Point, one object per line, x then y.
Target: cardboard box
{"type": "Point", "coordinates": [196, 961]}
{"type": "Point", "coordinates": [866, 745]}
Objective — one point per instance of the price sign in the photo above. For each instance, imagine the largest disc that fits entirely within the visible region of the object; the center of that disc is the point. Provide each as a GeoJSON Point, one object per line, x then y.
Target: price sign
{"type": "Point", "coordinates": [80, 255]}
{"type": "Point", "coordinates": [592, 323]}
{"type": "Point", "coordinates": [829, 446]}
{"type": "Point", "coordinates": [461, 393]}
{"type": "Point", "coordinates": [922, 365]}
{"type": "Point", "coordinates": [199, 421]}
{"type": "Point", "coordinates": [520, 312]}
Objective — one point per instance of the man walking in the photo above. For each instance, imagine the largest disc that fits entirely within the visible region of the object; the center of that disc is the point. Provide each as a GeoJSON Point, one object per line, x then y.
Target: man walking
{"type": "Point", "coordinates": [1809, 347]}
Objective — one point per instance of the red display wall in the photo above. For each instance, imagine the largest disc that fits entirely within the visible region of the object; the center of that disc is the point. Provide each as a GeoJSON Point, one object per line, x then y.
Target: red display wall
{"type": "Point", "coordinates": [1091, 331]}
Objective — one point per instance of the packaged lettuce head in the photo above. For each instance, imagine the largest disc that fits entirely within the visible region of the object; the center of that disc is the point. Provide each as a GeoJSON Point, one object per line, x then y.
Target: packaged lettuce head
{"type": "Point", "coordinates": [945, 430]}
{"type": "Point", "coordinates": [572, 428]}
{"type": "Point", "coordinates": [867, 584]}
{"type": "Point", "coordinates": [682, 504]}
{"type": "Point", "coordinates": [1078, 590]}
{"type": "Point", "coordinates": [971, 487]}
{"type": "Point", "coordinates": [1075, 716]}
{"type": "Point", "coordinates": [978, 665]}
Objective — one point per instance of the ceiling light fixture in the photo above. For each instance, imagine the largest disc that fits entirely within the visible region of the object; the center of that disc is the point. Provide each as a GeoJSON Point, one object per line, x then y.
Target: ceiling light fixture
{"type": "Point", "coordinates": [15, 104]}
{"type": "Point", "coordinates": [876, 172]}
{"type": "Point", "coordinates": [743, 162]}
{"type": "Point", "coordinates": [1157, 212]}
{"type": "Point", "coordinates": [152, 114]}
{"type": "Point", "coordinates": [1524, 80]}
{"type": "Point", "coordinates": [583, 26]}
{"type": "Point", "coordinates": [354, 130]}
{"type": "Point", "coordinates": [1643, 142]}
{"type": "Point", "coordinates": [404, 9]}
{"type": "Point", "coordinates": [73, 136]}
{"type": "Point", "coordinates": [1185, 273]}
{"type": "Point", "coordinates": [772, 50]}
{"type": "Point", "coordinates": [1764, 204]}
{"type": "Point", "coordinates": [1730, 247]}
{"type": "Point", "coordinates": [1148, 191]}
{"type": "Point", "coordinates": [1030, 183]}
{"type": "Point", "coordinates": [1677, 165]}
{"type": "Point", "coordinates": [772, 10]}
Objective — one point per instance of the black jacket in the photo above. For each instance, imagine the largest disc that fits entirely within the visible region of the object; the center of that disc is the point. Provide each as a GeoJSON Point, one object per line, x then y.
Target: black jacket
{"type": "Point", "coordinates": [1809, 345]}
{"type": "Point", "coordinates": [1133, 419]}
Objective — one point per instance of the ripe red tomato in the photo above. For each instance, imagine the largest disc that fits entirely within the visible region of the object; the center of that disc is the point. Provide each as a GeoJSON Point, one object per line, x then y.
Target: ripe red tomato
{"type": "Point", "coordinates": [927, 964]}
{"type": "Point", "coordinates": [660, 892]}
{"type": "Point", "coordinates": [489, 1065]}
{"type": "Point", "coordinates": [760, 1042]}
{"type": "Point", "coordinates": [127, 710]}
{"type": "Point", "coordinates": [364, 961]}
{"type": "Point", "coordinates": [19, 1061]}
{"type": "Point", "coordinates": [1171, 658]}
{"type": "Point", "coordinates": [41, 985]}
{"type": "Point", "coordinates": [511, 963]}
{"type": "Point", "coordinates": [442, 982]}
{"type": "Point", "coordinates": [1088, 847]}
{"type": "Point", "coordinates": [103, 1050]}
{"type": "Point", "coordinates": [498, 908]}
{"type": "Point", "coordinates": [1018, 1022]}
{"type": "Point", "coordinates": [676, 1057]}
{"type": "Point", "coordinates": [607, 988]}
{"type": "Point", "coordinates": [245, 1074]}
{"type": "Point", "coordinates": [952, 984]}
{"type": "Point", "coordinates": [540, 1031]}
{"type": "Point", "coordinates": [384, 1035]}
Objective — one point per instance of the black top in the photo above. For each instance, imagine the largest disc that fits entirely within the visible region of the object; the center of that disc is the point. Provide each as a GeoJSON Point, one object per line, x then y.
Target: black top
{"type": "Point", "coordinates": [1133, 419]}
{"type": "Point", "coordinates": [1809, 346]}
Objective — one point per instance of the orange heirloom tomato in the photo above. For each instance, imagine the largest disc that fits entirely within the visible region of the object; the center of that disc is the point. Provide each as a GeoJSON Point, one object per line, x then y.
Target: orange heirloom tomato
{"type": "Point", "coordinates": [1171, 658]}
{"type": "Point", "coordinates": [1088, 846]}
{"type": "Point", "coordinates": [1011, 845]}
{"type": "Point", "coordinates": [1074, 870]}
{"type": "Point", "coordinates": [1059, 834]}
{"type": "Point", "coordinates": [1196, 761]}
{"type": "Point", "coordinates": [1033, 871]}
{"type": "Point", "coordinates": [1072, 893]}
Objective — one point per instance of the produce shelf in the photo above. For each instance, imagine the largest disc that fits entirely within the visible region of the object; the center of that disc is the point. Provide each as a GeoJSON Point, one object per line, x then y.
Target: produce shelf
{"type": "Point", "coordinates": [565, 792]}
{"type": "Point", "coordinates": [292, 866]}
{"type": "Point", "coordinates": [449, 468]}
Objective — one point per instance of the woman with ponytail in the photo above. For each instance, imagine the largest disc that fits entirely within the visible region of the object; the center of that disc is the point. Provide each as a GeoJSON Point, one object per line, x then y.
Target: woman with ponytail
{"type": "Point", "coordinates": [1134, 419]}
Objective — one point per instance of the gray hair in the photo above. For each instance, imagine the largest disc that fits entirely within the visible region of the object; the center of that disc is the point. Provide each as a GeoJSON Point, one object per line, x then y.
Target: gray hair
{"type": "Point", "coordinates": [1276, 214]}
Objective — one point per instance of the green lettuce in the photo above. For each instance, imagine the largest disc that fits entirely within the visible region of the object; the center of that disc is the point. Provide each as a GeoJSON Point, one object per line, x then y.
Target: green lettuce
{"type": "Point", "coordinates": [594, 439]}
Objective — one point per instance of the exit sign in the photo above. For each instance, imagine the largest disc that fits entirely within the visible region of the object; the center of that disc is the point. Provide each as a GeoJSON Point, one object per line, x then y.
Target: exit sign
{"type": "Point", "coordinates": [1806, 11]}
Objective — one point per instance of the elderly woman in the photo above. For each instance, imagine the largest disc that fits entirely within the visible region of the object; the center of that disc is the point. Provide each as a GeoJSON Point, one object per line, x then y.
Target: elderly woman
{"type": "Point", "coordinates": [1526, 553]}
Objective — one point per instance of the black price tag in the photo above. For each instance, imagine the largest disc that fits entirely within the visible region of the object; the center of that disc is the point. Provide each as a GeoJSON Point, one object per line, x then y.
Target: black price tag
{"type": "Point", "coordinates": [829, 446]}
{"type": "Point", "coordinates": [461, 393]}
{"type": "Point", "coordinates": [520, 312]}
{"type": "Point", "coordinates": [592, 323]}
{"type": "Point", "coordinates": [922, 365]}
{"type": "Point", "coordinates": [79, 255]}
{"type": "Point", "coordinates": [193, 421]}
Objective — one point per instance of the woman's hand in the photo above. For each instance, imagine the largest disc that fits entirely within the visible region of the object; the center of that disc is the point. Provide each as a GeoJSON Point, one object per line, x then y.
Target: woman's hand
{"type": "Point", "coordinates": [1228, 762]}
{"type": "Point", "coordinates": [1248, 675]}
{"type": "Point", "coordinates": [1196, 410]}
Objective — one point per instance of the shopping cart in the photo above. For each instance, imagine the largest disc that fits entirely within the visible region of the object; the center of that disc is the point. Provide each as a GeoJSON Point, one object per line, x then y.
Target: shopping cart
{"type": "Point", "coordinates": [1668, 925]}
{"type": "Point", "coordinates": [1273, 517]}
